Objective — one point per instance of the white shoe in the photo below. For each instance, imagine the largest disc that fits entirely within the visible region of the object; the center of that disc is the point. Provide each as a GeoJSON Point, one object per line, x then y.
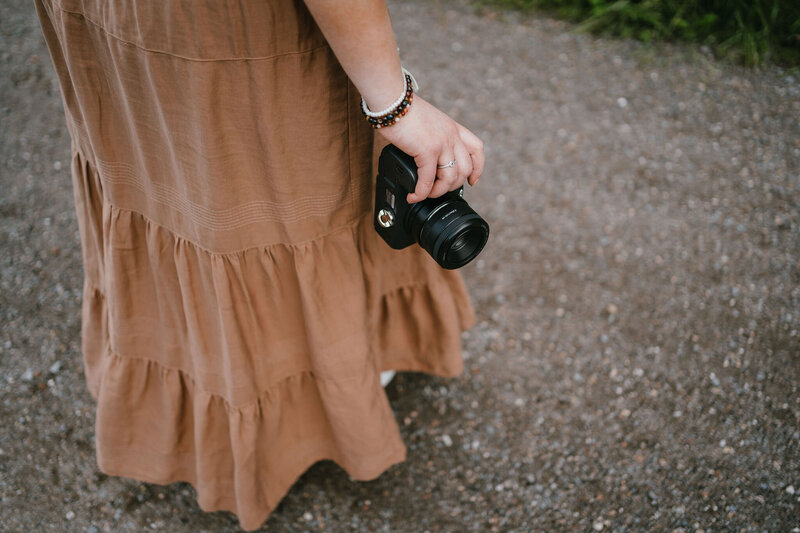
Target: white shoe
{"type": "Point", "coordinates": [386, 377]}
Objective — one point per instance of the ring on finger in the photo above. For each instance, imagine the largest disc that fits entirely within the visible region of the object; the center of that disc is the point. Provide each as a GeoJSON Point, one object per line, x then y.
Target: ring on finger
{"type": "Point", "coordinates": [452, 163]}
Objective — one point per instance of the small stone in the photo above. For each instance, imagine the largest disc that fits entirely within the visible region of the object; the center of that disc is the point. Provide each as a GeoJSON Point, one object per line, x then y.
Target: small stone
{"type": "Point", "coordinates": [27, 375]}
{"type": "Point", "coordinates": [790, 490]}
{"type": "Point", "coordinates": [622, 102]}
{"type": "Point", "coordinates": [55, 367]}
{"type": "Point", "coordinates": [308, 517]}
{"type": "Point", "coordinates": [598, 525]}
{"type": "Point", "coordinates": [560, 312]}
{"type": "Point", "coordinates": [447, 440]}
{"type": "Point", "coordinates": [70, 515]}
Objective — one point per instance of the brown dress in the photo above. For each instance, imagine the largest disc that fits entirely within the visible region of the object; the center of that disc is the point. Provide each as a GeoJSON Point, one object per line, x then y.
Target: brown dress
{"type": "Point", "coordinates": [238, 305]}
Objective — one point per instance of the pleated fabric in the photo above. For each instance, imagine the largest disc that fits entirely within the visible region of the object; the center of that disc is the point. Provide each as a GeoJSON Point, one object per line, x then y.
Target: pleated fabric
{"type": "Point", "coordinates": [238, 306]}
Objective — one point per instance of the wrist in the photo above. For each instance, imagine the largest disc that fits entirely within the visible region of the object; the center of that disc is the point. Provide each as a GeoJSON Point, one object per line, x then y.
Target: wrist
{"type": "Point", "coordinates": [397, 109]}
{"type": "Point", "coordinates": [384, 92]}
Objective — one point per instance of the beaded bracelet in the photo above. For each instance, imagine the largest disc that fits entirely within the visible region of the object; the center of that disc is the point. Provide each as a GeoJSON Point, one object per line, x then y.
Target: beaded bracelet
{"type": "Point", "coordinates": [399, 107]}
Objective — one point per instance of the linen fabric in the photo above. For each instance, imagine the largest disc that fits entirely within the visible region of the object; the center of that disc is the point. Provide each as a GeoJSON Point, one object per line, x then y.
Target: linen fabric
{"type": "Point", "coordinates": [238, 305]}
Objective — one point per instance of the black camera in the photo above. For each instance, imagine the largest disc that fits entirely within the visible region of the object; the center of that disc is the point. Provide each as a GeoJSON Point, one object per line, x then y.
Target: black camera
{"type": "Point", "coordinates": [446, 227]}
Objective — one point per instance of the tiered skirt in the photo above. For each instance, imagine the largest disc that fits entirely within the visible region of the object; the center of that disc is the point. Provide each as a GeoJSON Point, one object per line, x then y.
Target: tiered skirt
{"type": "Point", "coordinates": [237, 371]}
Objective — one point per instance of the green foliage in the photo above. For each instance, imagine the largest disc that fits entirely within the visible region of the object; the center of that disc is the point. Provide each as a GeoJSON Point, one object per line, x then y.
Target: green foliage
{"type": "Point", "coordinates": [753, 31]}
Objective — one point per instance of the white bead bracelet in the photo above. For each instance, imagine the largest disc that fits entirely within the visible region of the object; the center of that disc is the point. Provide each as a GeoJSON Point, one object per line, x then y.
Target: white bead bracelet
{"type": "Point", "coordinates": [396, 103]}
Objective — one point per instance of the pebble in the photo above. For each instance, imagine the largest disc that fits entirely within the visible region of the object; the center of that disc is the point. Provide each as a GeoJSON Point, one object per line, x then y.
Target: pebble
{"type": "Point", "coordinates": [447, 440]}
{"type": "Point", "coordinates": [790, 490]}
{"type": "Point", "coordinates": [55, 367]}
{"type": "Point", "coordinates": [27, 375]}
{"type": "Point", "coordinates": [70, 515]}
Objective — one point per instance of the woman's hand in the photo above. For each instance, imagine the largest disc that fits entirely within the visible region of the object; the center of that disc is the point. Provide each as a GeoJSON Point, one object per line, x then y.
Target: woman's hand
{"type": "Point", "coordinates": [432, 138]}
{"type": "Point", "coordinates": [360, 34]}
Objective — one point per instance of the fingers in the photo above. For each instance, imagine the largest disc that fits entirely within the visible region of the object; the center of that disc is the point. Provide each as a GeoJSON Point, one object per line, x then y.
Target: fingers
{"type": "Point", "coordinates": [451, 178]}
{"type": "Point", "coordinates": [426, 173]}
{"type": "Point", "coordinates": [434, 139]}
{"type": "Point", "coordinates": [445, 177]}
{"type": "Point", "coordinates": [475, 148]}
{"type": "Point", "coordinates": [463, 163]}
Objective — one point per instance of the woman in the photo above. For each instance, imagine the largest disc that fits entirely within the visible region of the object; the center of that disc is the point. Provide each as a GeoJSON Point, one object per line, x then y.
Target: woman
{"type": "Point", "coordinates": [238, 306]}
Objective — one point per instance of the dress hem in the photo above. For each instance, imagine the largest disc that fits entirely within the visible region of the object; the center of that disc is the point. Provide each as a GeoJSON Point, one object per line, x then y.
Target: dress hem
{"type": "Point", "coordinates": [291, 474]}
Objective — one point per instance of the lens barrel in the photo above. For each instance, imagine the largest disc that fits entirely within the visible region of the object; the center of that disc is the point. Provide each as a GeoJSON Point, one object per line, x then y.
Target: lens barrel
{"type": "Point", "coordinates": [448, 229]}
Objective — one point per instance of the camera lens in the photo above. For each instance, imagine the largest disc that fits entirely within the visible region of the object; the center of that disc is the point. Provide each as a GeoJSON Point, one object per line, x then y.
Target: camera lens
{"type": "Point", "coordinates": [466, 246]}
{"type": "Point", "coordinates": [448, 229]}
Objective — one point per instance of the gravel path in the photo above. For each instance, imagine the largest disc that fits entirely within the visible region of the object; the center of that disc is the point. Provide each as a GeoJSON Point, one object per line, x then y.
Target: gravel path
{"type": "Point", "coordinates": [637, 358]}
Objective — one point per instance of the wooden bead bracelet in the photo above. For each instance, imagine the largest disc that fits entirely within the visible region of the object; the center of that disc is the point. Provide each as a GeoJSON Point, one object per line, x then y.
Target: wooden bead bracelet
{"type": "Point", "coordinates": [392, 114]}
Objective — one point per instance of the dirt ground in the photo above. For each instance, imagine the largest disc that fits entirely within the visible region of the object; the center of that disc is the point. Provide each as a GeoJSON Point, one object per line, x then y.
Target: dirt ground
{"type": "Point", "coordinates": [636, 362]}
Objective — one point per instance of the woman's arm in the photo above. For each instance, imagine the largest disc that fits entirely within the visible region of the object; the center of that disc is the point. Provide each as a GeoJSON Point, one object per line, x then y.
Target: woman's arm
{"type": "Point", "coordinates": [360, 34]}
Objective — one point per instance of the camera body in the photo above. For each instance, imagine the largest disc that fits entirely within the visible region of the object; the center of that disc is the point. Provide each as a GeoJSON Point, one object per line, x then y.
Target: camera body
{"type": "Point", "coordinates": [446, 227]}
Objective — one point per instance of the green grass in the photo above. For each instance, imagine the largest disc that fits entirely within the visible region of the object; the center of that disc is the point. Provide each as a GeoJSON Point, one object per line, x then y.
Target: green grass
{"type": "Point", "coordinates": [752, 32]}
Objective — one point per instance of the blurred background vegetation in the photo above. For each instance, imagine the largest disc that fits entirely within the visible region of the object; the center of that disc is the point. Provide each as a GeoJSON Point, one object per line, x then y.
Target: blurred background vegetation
{"type": "Point", "coordinates": [753, 32]}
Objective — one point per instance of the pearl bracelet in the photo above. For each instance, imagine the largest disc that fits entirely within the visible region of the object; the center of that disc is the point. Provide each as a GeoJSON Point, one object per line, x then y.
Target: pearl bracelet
{"type": "Point", "coordinates": [390, 115]}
